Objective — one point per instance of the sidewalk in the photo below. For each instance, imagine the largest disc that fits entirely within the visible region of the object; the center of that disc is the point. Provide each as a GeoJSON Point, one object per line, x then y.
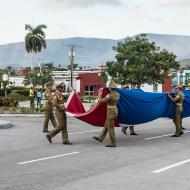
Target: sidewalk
{"type": "Point", "coordinates": [21, 115]}
{"type": "Point", "coordinates": [87, 106]}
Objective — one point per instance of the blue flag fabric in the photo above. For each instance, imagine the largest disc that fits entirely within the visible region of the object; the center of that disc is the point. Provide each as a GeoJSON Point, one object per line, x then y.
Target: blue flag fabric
{"type": "Point", "coordinates": [137, 106]}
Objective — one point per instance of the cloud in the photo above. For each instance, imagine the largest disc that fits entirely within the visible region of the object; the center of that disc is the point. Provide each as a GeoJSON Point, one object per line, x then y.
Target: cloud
{"type": "Point", "coordinates": [78, 3]}
{"type": "Point", "coordinates": [175, 3]}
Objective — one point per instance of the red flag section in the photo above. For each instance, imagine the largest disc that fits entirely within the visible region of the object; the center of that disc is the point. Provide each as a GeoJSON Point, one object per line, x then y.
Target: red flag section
{"type": "Point", "coordinates": [74, 104]}
{"type": "Point", "coordinates": [96, 116]}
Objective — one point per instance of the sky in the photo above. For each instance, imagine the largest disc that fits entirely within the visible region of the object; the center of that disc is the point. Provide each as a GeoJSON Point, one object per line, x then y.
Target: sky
{"type": "Point", "coordinates": [113, 19]}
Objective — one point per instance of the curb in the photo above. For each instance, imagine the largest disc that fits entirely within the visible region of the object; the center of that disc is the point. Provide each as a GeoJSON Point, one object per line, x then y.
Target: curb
{"type": "Point", "coordinates": [25, 115]}
{"type": "Point", "coordinates": [21, 115]}
{"type": "Point", "coordinates": [5, 124]}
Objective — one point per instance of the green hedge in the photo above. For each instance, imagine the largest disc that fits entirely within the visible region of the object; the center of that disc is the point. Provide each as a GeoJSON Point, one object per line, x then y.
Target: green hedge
{"type": "Point", "coordinates": [19, 97]}
{"type": "Point", "coordinates": [22, 92]}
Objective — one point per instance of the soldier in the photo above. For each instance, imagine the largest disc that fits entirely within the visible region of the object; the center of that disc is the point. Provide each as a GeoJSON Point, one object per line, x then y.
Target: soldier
{"type": "Point", "coordinates": [178, 110]}
{"type": "Point", "coordinates": [60, 116]}
{"type": "Point", "coordinates": [112, 112]}
{"type": "Point", "coordinates": [48, 108]}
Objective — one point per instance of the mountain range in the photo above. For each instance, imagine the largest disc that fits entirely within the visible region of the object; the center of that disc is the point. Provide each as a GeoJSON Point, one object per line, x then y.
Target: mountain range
{"type": "Point", "coordinates": [88, 51]}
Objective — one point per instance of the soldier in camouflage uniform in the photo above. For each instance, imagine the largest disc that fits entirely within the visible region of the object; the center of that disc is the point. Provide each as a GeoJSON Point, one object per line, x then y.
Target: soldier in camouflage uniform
{"type": "Point", "coordinates": [60, 115]}
{"type": "Point", "coordinates": [112, 112]}
{"type": "Point", "coordinates": [48, 108]}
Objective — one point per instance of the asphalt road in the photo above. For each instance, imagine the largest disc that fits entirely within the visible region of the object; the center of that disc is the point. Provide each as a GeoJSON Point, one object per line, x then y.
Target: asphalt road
{"type": "Point", "coordinates": [150, 161]}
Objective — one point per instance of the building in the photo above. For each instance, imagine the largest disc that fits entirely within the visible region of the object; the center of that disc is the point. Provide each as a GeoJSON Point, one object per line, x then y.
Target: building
{"type": "Point", "coordinates": [87, 82]}
{"type": "Point", "coordinates": [90, 83]}
{"type": "Point", "coordinates": [181, 77]}
{"type": "Point", "coordinates": [16, 81]}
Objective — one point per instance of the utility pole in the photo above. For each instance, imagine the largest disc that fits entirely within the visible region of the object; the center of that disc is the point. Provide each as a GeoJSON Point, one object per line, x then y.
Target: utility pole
{"type": "Point", "coordinates": [71, 58]}
{"type": "Point", "coordinates": [71, 65]}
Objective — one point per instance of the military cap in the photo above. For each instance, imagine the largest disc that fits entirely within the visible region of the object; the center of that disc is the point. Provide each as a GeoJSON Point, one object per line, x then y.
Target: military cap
{"type": "Point", "coordinates": [112, 85]}
{"type": "Point", "coordinates": [58, 84]}
{"type": "Point", "coordinates": [49, 83]}
{"type": "Point", "coordinates": [126, 86]}
{"type": "Point", "coordinates": [179, 87]}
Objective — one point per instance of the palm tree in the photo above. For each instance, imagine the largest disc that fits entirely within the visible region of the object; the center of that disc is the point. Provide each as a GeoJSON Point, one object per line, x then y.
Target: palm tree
{"type": "Point", "coordinates": [46, 76]}
{"type": "Point", "coordinates": [38, 78]}
{"type": "Point", "coordinates": [31, 78]}
{"type": "Point", "coordinates": [35, 39]}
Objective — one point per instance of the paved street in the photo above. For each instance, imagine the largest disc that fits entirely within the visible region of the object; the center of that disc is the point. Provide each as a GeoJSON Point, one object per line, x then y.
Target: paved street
{"type": "Point", "coordinates": [151, 161]}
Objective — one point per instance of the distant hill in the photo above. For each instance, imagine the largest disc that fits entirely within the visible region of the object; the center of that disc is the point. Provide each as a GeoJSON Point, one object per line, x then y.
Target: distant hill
{"type": "Point", "coordinates": [89, 51]}
{"type": "Point", "coordinates": [185, 63]}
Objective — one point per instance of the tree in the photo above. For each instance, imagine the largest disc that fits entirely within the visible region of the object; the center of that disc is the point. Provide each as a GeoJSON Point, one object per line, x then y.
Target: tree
{"type": "Point", "coordinates": [139, 61]}
{"type": "Point", "coordinates": [36, 77]}
{"type": "Point", "coordinates": [5, 84]}
{"type": "Point", "coordinates": [35, 39]}
{"type": "Point", "coordinates": [2, 72]}
{"type": "Point", "coordinates": [45, 76]}
{"type": "Point", "coordinates": [48, 65]}
{"type": "Point", "coordinates": [31, 78]}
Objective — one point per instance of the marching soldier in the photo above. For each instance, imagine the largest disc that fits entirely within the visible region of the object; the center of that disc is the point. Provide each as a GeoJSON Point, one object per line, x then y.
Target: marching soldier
{"type": "Point", "coordinates": [178, 110]}
{"type": "Point", "coordinates": [112, 112]}
{"type": "Point", "coordinates": [48, 108]}
{"type": "Point", "coordinates": [60, 115]}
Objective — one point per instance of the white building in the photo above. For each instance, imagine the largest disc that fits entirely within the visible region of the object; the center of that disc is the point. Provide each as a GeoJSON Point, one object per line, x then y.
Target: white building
{"type": "Point", "coordinates": [16, 80]}
{"type": "Point", "coordinates": [65, 76]}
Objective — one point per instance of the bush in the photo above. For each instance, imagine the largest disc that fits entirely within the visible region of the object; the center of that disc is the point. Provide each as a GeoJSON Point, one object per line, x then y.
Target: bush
{"type": "Point", "coordinates": [17, 87]}
{"type": "Point", "coordinates": [40, 108]}
{"type": "Point", "coordinates": [7, 102]}
{"type": "Point", "coordinates": [23, 92]}
{"type": "Point", "coordinates": [17, 96]}
{"type": "Point", "coordinates": [32, 110]}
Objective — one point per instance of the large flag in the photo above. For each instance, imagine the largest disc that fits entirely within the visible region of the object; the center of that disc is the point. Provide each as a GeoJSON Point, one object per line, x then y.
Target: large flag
{"type": "Point", "coordinates": [135, 107]}
{"type": "Point", "coordinates": [95, 116]}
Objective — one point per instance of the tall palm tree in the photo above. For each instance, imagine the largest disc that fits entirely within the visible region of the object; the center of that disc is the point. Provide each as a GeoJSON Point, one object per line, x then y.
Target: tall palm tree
{"type": "Point", "coordinates": [35, 39]}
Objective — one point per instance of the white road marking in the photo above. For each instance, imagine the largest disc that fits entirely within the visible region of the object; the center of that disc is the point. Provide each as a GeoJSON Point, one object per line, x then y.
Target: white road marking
{"type": "Point", "coordinates": [47, 158]}
{"type": "Point", "coordinates": [162, 136]}
{"type": "Point", "coordinates": [171, 166]}
{"type": "Point", "coordinates": [80, 132]}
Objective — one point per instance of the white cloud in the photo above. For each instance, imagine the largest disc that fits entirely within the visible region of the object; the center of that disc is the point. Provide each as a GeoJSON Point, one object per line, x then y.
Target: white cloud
{"type": "Point", "coordinates": [78, 3]}
{"type": "Point", "coordinates": [175, 2]}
